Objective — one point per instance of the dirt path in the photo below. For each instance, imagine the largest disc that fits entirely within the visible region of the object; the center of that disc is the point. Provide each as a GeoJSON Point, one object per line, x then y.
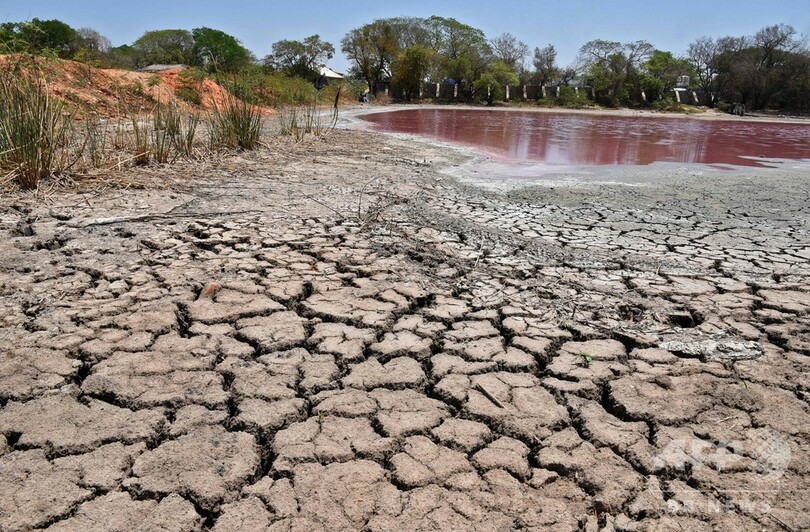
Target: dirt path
{"type": "Point", "coordinates": [387, 348]}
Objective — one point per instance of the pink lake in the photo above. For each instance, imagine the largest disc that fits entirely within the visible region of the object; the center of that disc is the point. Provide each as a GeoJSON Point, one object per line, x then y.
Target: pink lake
{"type": "Point", "coordinates": [584, 139]}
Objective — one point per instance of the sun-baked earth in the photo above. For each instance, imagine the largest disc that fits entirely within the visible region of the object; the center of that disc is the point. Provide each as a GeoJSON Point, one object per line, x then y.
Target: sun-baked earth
{"type": "Point", "coordinates": [333, 335]}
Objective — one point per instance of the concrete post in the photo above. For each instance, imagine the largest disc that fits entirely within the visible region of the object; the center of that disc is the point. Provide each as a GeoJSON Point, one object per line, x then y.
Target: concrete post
{"type": "Point", "coordinates": [507, 93]}
{"type": "Point", "coordinates": [438, 89]}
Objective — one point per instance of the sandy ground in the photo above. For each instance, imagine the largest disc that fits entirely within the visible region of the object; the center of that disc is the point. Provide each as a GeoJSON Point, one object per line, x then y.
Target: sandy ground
{"type": "Point", "coordinates": [349, 333]}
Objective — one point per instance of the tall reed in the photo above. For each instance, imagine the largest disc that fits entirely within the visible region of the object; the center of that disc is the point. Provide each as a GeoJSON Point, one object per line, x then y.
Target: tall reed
{"type": "Point", "coordinates": [236, 124]}
{"type": "Point", "coordinates": [142, 137]}
{"type": "Point", "coordinates": [35, 130]}
{"type": "Point", "coordinates": [312, 118]}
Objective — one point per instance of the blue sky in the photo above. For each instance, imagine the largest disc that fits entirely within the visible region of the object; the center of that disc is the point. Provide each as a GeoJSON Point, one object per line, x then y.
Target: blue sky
{"type": "Point", "coordinates": [567, 24]}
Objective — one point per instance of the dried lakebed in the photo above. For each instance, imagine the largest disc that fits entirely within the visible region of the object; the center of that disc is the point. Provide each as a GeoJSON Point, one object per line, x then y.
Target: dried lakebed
{"type": "Point", "coordinates": [386, 348]}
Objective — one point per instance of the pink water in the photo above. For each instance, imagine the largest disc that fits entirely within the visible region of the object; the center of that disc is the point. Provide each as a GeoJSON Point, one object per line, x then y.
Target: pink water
{"type": "Point", "coordinates": [581, 139]}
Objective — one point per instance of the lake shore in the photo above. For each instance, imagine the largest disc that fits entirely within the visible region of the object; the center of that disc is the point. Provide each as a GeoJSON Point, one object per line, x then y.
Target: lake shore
{"type": "Point", "coordinates": [353, 332]}
{"type": "Point", "coordinates": [699, 114]}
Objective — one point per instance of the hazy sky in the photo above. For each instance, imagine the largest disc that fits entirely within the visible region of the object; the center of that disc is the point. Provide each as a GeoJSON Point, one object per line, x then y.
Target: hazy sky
{"type": "Point", "coordinates": [567, 24]}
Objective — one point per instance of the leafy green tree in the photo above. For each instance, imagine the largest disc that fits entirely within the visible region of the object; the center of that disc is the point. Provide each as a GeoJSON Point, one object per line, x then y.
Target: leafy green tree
{"type": "Point", "coordinates": [300, 58]}
{"type": "Point", "coordinates": [463, 51]}
{"type": "Point", "coordinates": [10, 39]}
{"type": "Point", "coordinates": [123, 56]}
{"type": "Point", "coordinates": [372, 48]}
{"type": "Point", "coordinates": [50, 35]}
{"type": "Point", "coordinates": [39, 36]}
{"type": "Point", "coordinates": [164, 47]}
{"type": "Point", "coordinates": [661, 73]}
{"type": "Point", "coordinates": [217, 51]}
{"type": "Point", "coordinates": [494, 80]}
{"type": "Point", "coordinates": [612, 68]}
{"type": "Point", "coordinates": [410, 69]}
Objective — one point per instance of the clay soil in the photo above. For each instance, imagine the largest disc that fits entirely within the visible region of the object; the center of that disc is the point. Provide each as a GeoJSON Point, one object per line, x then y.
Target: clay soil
{"type": "Point", "coordinates": [339, 334]}
{"type": "Point", "coordinates": [112, 92]}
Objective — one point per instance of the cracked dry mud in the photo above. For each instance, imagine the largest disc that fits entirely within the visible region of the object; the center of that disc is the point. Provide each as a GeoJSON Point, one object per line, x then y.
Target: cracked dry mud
{"type": "Point", "coordinates": [386, 348]}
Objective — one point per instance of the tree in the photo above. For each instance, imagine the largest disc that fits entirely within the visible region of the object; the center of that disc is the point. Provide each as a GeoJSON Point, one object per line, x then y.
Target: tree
{"type": "Point", "coordinates": [164, 47]}
{"type": "Point", "coordinates": [217, 51]}
{"type": "Point", "coordinates": [91, 47]}
{"type": "Point", "coordinates": [508, 49]}
{"type": "Point", "coordinates": [703, 54]}
{"type": "Point", "coordinates": [612, 67]}
{"type": "Point", "coordinates": [567, 75]}
{"type": "Point", "coordinates": [123, 56]}
{"type": "Point", "coordinates": [545, 64]}
{"type": "Point", "coordinates": [39, 36]}
{"type": "Point", "coordinates": [410, 68]}
{"type": "Point", "coordinates": [774, 39]}
{"type": "Point", "coordinates": [661, 73]}
{"type": "Point", "coordinates": [495, 79]}
{"type": "Point", "coordinates": [11, 40]}
{"type": "Point", "coordinates": [300, 58]}
{"type": "Point", "coordinates": [50, 35]}
{"type": "Point", "coordinates": [372, 48]}
{"type": "Point", "coordinates": [770, 69]}
{"type": "Point", "coordinates": [90, 39]}
{"type": "Point", "coordinates": [463, 51]}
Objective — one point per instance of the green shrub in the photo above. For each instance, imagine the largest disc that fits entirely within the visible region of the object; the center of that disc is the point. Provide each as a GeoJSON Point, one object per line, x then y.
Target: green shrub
{"type": "Point", "coordinates": [136, 88]}
{"type": "Point", "coordinates": [188, 94]}
{"type": "Point", "coordinates": [188, 81]}
{"type": "Point", "coordinates": [153, 81]}
{"type": "Point", "coordinates": [570, 97]}
{"type": "Point", "coordinates": [279, 89]}
{"type": "Point", "coordinates": [666, 105]}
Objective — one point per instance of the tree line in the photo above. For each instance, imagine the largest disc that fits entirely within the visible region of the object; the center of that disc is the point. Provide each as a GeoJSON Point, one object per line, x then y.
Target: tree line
{"type": "Point", "coordinates": [207, 48]}
{"type": "Point", "coordinates": [770, 69]}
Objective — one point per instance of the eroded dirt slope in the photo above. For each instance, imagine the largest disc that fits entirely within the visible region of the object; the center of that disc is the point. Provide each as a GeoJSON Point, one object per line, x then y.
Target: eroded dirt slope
{"type": "Point", "coordinates": [386, 349]}
{"type": "Point", "coordinates": [112, 92]}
